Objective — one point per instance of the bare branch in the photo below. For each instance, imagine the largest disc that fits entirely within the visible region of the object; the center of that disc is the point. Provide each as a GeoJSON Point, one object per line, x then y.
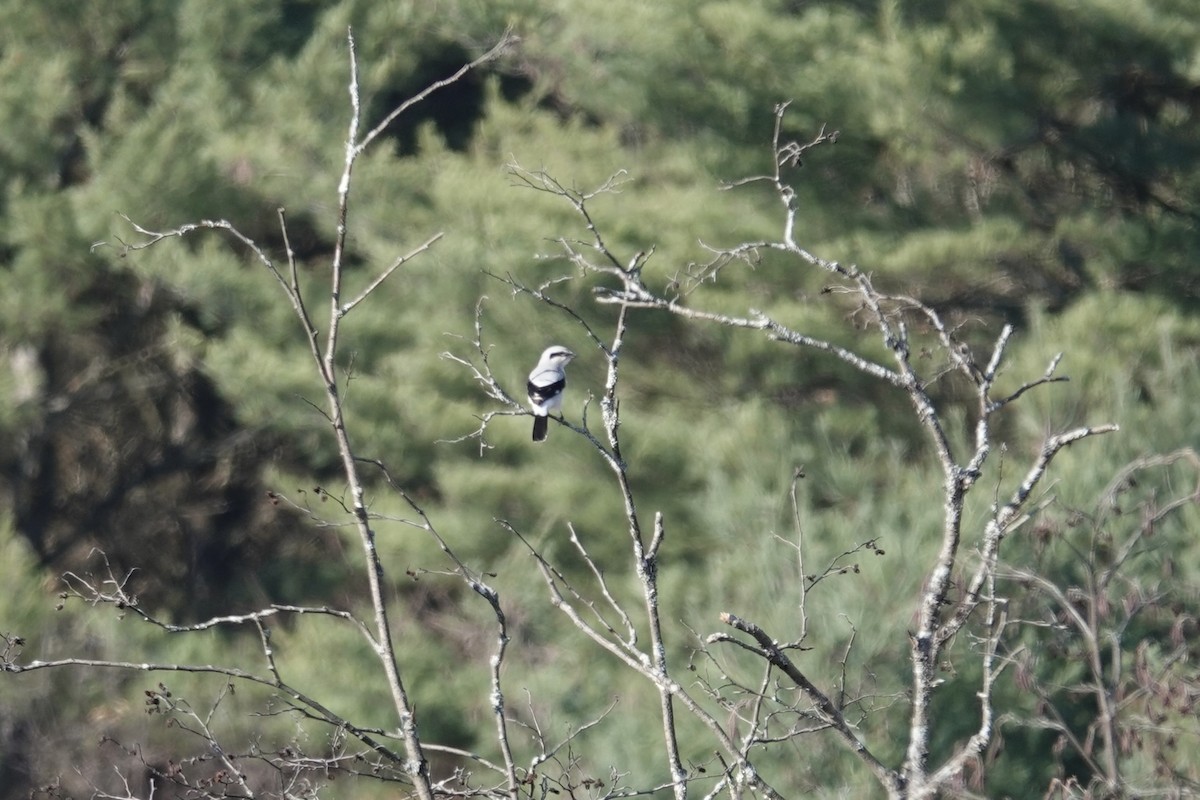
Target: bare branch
{"type": "Point", "coordinates": [888, 778]}
{"type": "Point", "coordinates": [321, 711]}
{"type": "Point", "coordinates": [395, 265]}
{"type": "Point", "coordinates": [507, 41]}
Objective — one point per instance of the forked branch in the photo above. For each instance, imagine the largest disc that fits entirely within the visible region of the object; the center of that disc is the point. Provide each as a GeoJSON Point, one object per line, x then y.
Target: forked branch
{"type": "Point", "coordinates": [891, 317]}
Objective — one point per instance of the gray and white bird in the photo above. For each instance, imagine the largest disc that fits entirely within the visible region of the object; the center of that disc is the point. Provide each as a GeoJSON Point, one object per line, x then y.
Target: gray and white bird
{"type": "Point", "coordinates": [546, 384]}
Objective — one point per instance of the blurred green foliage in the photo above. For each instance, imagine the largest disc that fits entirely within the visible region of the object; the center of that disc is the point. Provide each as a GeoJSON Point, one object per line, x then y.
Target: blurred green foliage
{"type": "Point", "coordinates": [1034, 163]}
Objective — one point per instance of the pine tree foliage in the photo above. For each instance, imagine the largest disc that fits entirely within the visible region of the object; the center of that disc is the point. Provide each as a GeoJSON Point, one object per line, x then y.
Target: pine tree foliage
{"type": "Point", "coordinates": [1036, 164]}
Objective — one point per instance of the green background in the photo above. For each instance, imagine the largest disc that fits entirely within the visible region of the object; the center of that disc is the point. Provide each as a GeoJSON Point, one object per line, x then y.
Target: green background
{"type": "Point", "coordinates": [1035, 163]}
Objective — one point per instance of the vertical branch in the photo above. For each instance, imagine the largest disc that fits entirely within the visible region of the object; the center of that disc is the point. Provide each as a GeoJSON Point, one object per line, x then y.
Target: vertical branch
{"type": "Point", "coordinates": [497, 696]}
{"type": "Point", "coordinates": [416, 764]}
{"type": "Point", "coordinates": [648, 573]}
{"type": "Point", "coordinates": [802, 605]}
{"type": "Point", "coordinates": [646, 564]}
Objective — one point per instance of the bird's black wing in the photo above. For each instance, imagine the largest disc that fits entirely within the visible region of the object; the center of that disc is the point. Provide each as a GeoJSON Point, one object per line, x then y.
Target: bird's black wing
{"type": "Point", "coordinates": [540, 394]}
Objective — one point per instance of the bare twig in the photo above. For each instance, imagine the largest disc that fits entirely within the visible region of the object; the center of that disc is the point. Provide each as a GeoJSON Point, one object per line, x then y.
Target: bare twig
{"type": "Point", "coordinates": [230, 672]}
{"type": "Point", "coordinates": [770, 651]}
{"type": "Point", "coordinates": [508, 40]}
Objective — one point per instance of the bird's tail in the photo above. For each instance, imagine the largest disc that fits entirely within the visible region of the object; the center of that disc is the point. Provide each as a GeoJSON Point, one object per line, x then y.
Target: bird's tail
{"type": "Point", "coordinates": [540, 426]}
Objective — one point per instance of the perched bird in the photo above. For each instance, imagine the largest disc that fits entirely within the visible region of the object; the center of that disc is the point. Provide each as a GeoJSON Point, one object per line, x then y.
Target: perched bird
{"type": "Point", "coordinates": [546, 384]}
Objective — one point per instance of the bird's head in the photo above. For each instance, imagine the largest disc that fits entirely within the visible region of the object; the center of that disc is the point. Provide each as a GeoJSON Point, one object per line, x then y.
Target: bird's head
{"type": "Point", "coordinates": [557, 354]}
